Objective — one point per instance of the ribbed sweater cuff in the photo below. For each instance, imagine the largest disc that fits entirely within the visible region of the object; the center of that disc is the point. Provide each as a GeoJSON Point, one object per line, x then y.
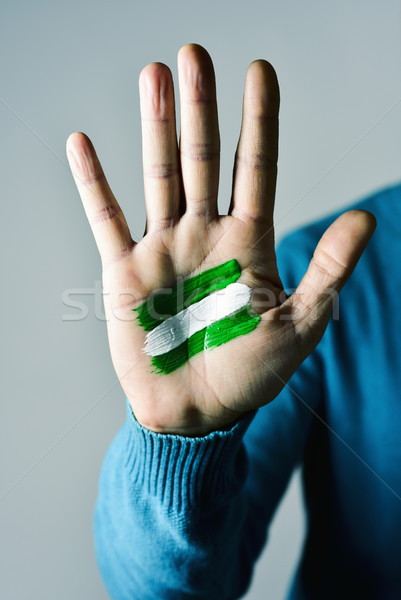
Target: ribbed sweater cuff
{"type": "Point", "coordinates": [184, 472]}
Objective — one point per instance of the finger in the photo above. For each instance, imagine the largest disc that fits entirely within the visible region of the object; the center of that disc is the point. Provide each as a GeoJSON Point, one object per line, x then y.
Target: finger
{"type": "Point", "coordinates": [159, 146]}
{"type": "Point", "coordinates": [105, 217]}
{"type": "Point", "coordinates": [199, 139]}
{"type": "Point", "coordinates": [334, 259]}
{"type": "Point", "coordinates": [255, 168]}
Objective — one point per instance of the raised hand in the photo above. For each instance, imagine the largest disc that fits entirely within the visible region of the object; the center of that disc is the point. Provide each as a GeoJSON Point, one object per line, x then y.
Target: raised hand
{"type": "Point", "coordinates": [185, 237]}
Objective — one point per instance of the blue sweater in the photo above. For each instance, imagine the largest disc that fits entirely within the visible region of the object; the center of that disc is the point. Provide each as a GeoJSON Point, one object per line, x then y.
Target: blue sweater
{"type": "Point", "coordinates": [185, 518]}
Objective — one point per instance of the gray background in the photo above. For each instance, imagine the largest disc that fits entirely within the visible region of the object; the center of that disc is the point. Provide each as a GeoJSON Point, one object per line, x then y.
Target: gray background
{"type": "Point", "coordinates": [74, 66]}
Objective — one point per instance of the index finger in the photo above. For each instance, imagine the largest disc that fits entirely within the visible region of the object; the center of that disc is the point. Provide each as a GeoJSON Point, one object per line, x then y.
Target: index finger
{"type": "Point", "coordinates": [255, 169]}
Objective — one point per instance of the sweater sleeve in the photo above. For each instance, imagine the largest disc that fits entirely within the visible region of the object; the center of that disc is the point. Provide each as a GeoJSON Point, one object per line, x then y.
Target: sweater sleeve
{"type": "Point", "coordinates": [186, 518]}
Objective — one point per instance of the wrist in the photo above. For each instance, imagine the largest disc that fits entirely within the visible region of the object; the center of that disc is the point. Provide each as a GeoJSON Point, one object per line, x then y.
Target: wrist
{"type": "Point", "coordinates": [186, 470]}
{"type": "Point", "coordinates": [196, 425]}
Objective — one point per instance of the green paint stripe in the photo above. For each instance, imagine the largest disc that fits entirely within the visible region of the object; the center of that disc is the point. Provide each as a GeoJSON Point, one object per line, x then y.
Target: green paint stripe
{"type": "Point", "coordinates": [240, 323]}
{"type": "Point", "coordinates": [159, 307]}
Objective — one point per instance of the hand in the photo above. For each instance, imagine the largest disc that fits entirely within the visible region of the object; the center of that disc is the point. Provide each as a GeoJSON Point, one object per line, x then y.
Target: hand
{"type": "Point", "coordinates": [185, 235]}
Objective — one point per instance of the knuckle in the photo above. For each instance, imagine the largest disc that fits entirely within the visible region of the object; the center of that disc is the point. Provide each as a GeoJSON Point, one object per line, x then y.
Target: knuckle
{"type": "Point", "coordinates": [162, 171]}
{"type": "Point", "coordinates": [104, 215]}
{"type": "Point", "coordinates": [257, 161]}
{"type": "Point", "coordinates": [328, 266]}
{"type": "Point", "coordinates": [200, 152]}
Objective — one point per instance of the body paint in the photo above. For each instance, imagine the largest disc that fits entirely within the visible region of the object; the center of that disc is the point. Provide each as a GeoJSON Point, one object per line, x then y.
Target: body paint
{"type": "Point", "coordinates": [215, 335]}
{"type": "Point", "coordinates": [161, 306]}
{"type": "Point", "coordinates": [176, 332]}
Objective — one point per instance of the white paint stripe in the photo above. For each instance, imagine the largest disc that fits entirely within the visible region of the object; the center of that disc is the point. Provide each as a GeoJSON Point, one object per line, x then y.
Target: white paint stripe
{"type": "Point", "coordinates": [178, 328]}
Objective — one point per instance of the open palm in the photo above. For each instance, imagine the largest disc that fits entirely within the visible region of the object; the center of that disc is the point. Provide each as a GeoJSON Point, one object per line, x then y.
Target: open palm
{"type": "Point", "coordinates": [185, 235]}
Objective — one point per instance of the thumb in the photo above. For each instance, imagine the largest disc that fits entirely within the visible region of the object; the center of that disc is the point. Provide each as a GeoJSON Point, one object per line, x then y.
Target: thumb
{"type": "Point", "coordinates": [334, 259]}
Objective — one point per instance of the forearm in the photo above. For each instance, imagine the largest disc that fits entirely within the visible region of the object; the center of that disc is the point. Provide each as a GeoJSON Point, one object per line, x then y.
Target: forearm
{"type": "Point", "coordinates": [180, 517]}
{"type": "Point", "coordinates": [171, 515]}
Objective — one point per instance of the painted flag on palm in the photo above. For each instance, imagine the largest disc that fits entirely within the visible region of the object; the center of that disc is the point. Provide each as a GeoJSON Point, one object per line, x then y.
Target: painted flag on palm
{"type": "Point", "coordinates": [199, 313]}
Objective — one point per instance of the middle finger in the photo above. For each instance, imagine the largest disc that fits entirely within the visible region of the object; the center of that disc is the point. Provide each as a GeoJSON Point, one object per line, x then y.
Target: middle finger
{"type": "Point", "coordinates": [199, 139]}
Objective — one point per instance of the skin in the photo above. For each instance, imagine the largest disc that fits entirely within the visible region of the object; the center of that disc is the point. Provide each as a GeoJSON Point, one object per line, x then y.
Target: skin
{"type": "Point", "coordinates": [185, 235]}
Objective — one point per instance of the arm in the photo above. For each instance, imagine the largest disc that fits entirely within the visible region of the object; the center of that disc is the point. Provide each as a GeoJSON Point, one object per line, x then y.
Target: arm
{"type": "Point", "coordinates": [181, 517]}
{"type": "Point", "coordinates": [208, 501]}
{"type": "Point", "coordinates": [198, 384]}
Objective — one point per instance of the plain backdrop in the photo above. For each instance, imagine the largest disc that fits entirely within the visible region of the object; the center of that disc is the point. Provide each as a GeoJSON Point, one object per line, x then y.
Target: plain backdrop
{"type": "Point", "coordinates": [68, 66]}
